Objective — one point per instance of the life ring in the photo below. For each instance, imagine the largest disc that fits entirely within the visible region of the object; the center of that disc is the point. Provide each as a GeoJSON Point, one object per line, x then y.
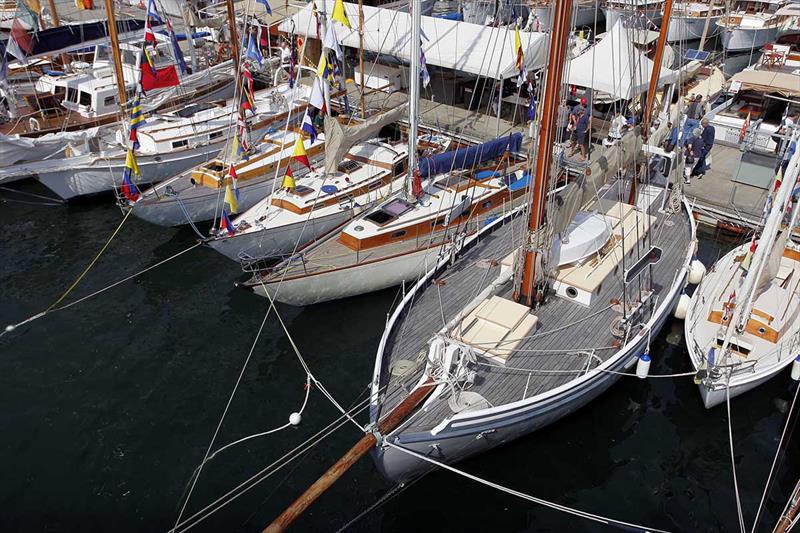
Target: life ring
{"type": "Point", "coordinates": [33, 124]}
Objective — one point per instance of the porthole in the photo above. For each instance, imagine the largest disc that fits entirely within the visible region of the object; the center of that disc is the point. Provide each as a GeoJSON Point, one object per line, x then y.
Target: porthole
{"type": "Point", "coordinates": [572, 292]}
{"type": "Point", "coordinates": [761, 331]}
{"type": "Point", "coordinates": [359, 228]}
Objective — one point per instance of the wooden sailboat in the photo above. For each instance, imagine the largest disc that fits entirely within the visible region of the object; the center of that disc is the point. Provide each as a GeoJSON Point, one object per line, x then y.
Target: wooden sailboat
{"type": "Point", "coordinates": [500, 337]}
{"type": "Point", "coordinates": [743, 323]}
{"type": "Point", "coordinates": [507, 338]}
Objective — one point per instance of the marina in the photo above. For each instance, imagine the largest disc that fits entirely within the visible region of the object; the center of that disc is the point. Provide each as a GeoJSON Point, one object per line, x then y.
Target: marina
{"type": "Point", "coordinates": [311, 266]}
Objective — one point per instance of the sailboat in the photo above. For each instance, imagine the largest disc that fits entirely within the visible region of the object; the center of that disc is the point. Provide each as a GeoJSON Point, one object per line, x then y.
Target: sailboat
{"type": "Point", "coordinates": [743, 322]}
{"type": "Point", "coordinates": [534, 318]}
{"type": "Point", "coordinates": [321, 201]}
{"type": "Point", "coordinates": [401, 238]}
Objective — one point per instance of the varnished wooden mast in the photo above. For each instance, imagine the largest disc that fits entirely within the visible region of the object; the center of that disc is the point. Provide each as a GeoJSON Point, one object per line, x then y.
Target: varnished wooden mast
{"type": "Point", "coordinates": [54, 13]}
{"type": "Point", "coordinates": [544, 153]}
{"type": "Point", "coordinates": [234, 36]}
{"type": "Point", "coordinates": [651, 89]}
{"type": "Point", "coordinates": [115, 52]}
{"type": "Point", "coordinates": [364, 445]}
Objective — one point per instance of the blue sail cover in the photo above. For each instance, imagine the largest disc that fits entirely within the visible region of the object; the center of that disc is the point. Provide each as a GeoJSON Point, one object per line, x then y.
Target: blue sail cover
{"type": "Point", "coordinates": [469, 157]}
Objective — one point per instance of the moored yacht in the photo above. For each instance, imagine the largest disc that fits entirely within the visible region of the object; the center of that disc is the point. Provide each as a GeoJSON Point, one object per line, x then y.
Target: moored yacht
{"type": "Point", "coordinates": [638, 14]}
{"type": "Point", "coordinates": [689, 20]}
{"type": "Point", "coordinates": [750, 24]}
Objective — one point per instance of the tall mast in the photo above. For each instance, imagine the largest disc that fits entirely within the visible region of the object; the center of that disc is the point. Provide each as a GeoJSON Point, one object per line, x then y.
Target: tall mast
{"type": "Point", "coordinates": [234, 36]}
{"type": "Point", "coordinates": [413, 92]}
{"type": "Point", "coordinates": [361, 54]}
{"type": "Point", "coordinates": [702, 45]}
{"type": "Point", "coordinates": [115, 52]}
{"type": "Point", "coordinates": [544, 153]}
{"type": "Point", "coordinates": [54, 13]}
{"type": "Point", "coordinates": [651, 89]}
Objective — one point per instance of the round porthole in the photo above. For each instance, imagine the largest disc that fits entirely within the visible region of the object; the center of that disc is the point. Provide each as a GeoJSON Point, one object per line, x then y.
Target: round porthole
{"type": "Point", "coordinates": [358, 228]}
{"type": "Point", "coordinates": [572, 292]}
{"type": "Point", "coordinates": [761, 331]}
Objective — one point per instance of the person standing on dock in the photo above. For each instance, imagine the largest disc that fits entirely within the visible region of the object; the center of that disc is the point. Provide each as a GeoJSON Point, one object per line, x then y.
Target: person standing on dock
{"type": "Point", "coordinates": [579, 135]}
{"type": "Point", "coordinates": [708, 142]}
{"type": "Point", "coordinates": [694, 113]}
{"type": "Point", "coordinates": [694, 154]}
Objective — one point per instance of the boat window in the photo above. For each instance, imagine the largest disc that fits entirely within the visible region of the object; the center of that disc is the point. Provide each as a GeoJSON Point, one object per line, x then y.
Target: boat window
{"type": "Point", "coordinates": [487, 204]}
{"type": "Point", "coordinates": [398, 234]}
{"type": "Point", "coordinates": [399, 168]}
{"type": "Point", "coordinates": [349, 166]}
{"type": "Point", "coordinates": [129, 57]}
{"type": "Point", "coordinates": [180, 144]}
{"type": "Point", "coordinates": [86, 99]}
{"type": "Point", "coordinates": [438, 222]}
{"type": "Point", "coordinates": [109, 101]}
{"type": "Point", "coordinates": [192, 109]}
{"type": "Point", "coordinates": [451, 182]}
{"type": "Point", "coordinates": [72, 94]}
{"type": "Point", "coordinates": [215, 135]}
{"type": "Point", "coordinates": [302, 190]}
{"type": "Point", "coordinates": [59, 91]}
{"type": "Point", "coordinates": [376, 185]}
{"type": "Point", "coordinates": [389, 211]}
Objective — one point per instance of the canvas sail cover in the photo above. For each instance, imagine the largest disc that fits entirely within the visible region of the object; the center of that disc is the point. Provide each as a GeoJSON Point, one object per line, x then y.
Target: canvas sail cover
{"type": "Point", "coordinates": [469, 157]}
{"type": "Point", "coordinates": [616, 67]}
{"type": "Point", "coordinates": [472, 48]}
{"type": "Point", "coordinates": [339, 139]}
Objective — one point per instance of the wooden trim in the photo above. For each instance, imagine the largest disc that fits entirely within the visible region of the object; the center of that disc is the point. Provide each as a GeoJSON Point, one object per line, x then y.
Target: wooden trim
{"type": "Point", "coordinates": [384, 179]}
{"type": "Point", "coordinates": [425, 227]}
{"type": "Point", "coordinates": [371, 162]}
{"type": "Point", "coordinates": [770, 334]}
{"type": "Point", "coordinates": [791, 253]}
{"type": "Point", "coordinates": [766, 316]}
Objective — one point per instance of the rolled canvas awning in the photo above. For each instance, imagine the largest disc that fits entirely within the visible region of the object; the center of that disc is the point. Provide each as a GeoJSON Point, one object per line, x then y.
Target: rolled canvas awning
{"type": "Point", "coordinates": [784, 83]}
{"type": "Point", "coordinates": [461, 46]}
{"type": "Point", "coordinates": [616, 67]}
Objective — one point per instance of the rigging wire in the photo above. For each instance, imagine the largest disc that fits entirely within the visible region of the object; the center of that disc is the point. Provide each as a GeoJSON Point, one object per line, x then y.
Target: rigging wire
{"type": "Point", "coordinates": [546, 503]}
{"type": "Point", "coordinates": [775, 459]}
{"type": "Point", "coordinates": [742, 527]}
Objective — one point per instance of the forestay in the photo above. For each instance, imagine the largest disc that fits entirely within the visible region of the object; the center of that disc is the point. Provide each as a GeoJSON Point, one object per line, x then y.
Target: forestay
{"type": "Point", "coordinates": [471, 48]}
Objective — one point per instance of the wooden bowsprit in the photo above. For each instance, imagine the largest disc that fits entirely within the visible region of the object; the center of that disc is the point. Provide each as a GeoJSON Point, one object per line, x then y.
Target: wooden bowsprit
{"type": "Point", "coordinates": [364, 445]}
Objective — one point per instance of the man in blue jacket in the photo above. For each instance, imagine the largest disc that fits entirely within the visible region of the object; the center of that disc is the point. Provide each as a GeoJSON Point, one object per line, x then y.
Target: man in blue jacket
{"type": "Point", "coordinates": [708, 141]}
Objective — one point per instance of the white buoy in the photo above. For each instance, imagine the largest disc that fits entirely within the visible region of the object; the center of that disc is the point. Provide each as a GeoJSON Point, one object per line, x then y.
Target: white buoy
{"type": "Point", "coordinates": [697, 271]}
{"type": "Point", "coordinates": [10, 328]}
{"type": "Point", "coordinates": [295, 418]}
{"type": "Point", "coordinates": [683, 307]}
{"type": "Point", "coordinates": [796, 368]}
{"type": "Point", "coordinates": [643, 366]}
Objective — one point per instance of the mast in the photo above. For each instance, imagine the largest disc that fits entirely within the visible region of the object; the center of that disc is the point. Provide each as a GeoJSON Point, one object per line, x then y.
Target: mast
{"type": "Point", "coordinates": [705, 26]}
{"type": "Point", "coordinates": [54, 13]}
{"type": "Point", "coordinates": [413, 91]}
{"type": "Point", "coordinates": [361, 55]}
{"type": "Point", "coordinates": [651, 89]}
{"type": "Point", "coordinates": [115, 52]}
{"type": "Point", "coordinates": [544, 153]}
{"type": "Point", "coordinates": [234, 36]}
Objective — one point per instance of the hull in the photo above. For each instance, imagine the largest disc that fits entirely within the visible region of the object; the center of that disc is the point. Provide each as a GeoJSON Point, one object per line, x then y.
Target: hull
{"type": "Point", "coordinates": [200, 204]}
{"type": "Point", "coordinates": [712, 398]}
{"type": "Point", "coordinates": [279, 241]}
{"type": "Point", "coordinates": [643, 19]}
{"type": "Point", "coordinates": [103, 175]}
{"type": "Point", "coordinates": [583, 15]}
{"type": "Point", "coordinates": [691, 28]}
{"type": "Point", "coordinates": [456, 439]}
{"type": "Point", "coordinates": [337, 284]}
{"type": "Point", "coordinates": [740, 39]}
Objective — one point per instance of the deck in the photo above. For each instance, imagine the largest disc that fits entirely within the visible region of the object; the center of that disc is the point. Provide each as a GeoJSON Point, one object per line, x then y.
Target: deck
{"type": "Point", "coordinates": [570, 339]}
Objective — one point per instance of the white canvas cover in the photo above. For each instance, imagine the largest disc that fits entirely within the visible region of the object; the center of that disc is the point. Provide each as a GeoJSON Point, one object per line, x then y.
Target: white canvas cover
{"type": "Point", "coordinates": [616, 67]}
{"type": "Point", "coordinates": [471, 48]}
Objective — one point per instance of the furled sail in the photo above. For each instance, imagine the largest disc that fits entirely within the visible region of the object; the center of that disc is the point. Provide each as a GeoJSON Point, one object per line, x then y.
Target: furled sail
{"type": "Point", "coordinates": [339, 139]}
{"type": "Point", "coordinates": [469, 157]}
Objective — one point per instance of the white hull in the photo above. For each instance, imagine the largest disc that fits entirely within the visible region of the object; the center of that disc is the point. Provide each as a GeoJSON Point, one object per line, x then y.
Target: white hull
{"type": "Point", "coordinates": [691, 28]}
{"type": "Point", "coordinates": [273, 243]}
{"type": "Point", "coordinates": [583, 15]}
{"type": "Point", "coordinates": [741, 39]}
{"type": "Point", "coordinates": [188, 206]}
{"type": "Point", "coordinates": [87, 175]}
{"type": "Point", "coordinates": [648, 18]}
{"type": "Point", "coordinates": [337, 284]}
{"type": "Point", "coordinates": [712, 398]}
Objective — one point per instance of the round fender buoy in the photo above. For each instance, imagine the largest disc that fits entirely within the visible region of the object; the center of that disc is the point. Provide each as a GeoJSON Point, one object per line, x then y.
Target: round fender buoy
{"type": "Point", "coordinates": [643, 366]}
{"type": "Point", "coordinates": [295, 419]}
{"type": "Point", "coordinates": [697, 271]}
{"type": "Point", "coordinates": [683, 307]}
{"type": "Point", "coordinates": [796, 368]}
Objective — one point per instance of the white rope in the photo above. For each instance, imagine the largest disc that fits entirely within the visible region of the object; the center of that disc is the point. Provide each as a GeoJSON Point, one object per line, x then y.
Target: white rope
{"type": "Point", "coordinates": [742, 526]}
{"type": "Point", "coordinates": [775, 459]}
{"type": "Point", "coordinates": [540, 501]}
{"type": "Point", "coordinates": [12, 327]}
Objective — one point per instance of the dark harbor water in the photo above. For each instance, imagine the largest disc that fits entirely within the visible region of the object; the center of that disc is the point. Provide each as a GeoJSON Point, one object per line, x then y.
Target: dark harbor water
{"type": "Point", "coordinates": [107, 408]}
